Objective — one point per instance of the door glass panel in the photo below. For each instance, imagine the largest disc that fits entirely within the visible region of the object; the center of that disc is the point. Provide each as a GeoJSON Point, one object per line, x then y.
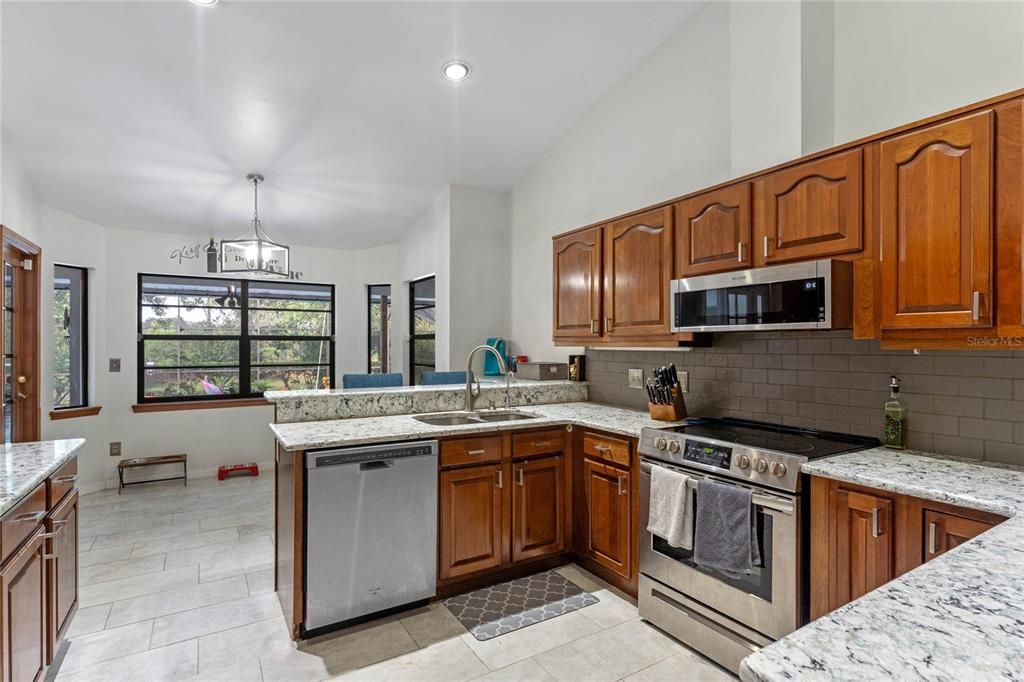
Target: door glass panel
{"type": "Point", "coordinates": [9, 347]}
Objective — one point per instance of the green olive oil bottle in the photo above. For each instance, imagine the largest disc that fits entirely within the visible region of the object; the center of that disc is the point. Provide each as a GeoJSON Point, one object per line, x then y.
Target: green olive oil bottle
{"type": "Point", "coordinates": [895, 417]}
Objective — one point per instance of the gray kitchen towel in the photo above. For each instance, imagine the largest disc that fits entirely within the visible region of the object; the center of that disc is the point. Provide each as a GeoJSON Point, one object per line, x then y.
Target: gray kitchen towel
{"type": "Point", "coordinates": [671, 507]}
{"type": "Point", "coordinates": [725, 538]}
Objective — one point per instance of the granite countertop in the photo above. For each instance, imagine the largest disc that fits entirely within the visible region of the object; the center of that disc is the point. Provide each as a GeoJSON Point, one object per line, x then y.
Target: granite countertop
{"type": "Point", "coordinates": [958, 617]}
{"type": "Point", "coordinates": [359, 431]}
{"type": "Point", "coordinates": [23, 466]}
{"type": "Point", "coordinates": [486, 382]}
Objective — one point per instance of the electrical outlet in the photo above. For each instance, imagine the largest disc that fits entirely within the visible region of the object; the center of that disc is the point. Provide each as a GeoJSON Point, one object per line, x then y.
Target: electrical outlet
{"type": "Point", "coordinates": [684, 381]}
{"type": "Point", "coordinates": [115, 448]}
{"type": "Point", "coordinates": [636, 378]}
{"type": "Point", "coordinates": [115, 364]}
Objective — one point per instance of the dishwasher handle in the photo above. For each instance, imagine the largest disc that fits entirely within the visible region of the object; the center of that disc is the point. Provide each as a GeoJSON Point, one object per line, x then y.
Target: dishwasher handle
{"type": "Point", "coordinates": [376, 464]}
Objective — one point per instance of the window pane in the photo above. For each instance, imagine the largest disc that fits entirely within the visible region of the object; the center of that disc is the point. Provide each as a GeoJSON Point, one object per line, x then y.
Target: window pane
{"type": "Point", "coordinates": [423, 352]}
{"type": "Point", "coordinates": [181, 383]}
{"type": "Point", "coordinates": [172, 353]}
{"type": "Point", "coordinates": [69, 337]}
{"type": "Point", "coordinates": [266, 352]}
{"type": "Point", "coordinates": [379, 328]}
{"type": "Point", "coordinates": [289, 323]}
{"type": "Point", "coordinates": [289, 296]}
{"type": "Point", "coordinates": [289, 378]}
{"type": "Point", "coordinates": [182, 320]}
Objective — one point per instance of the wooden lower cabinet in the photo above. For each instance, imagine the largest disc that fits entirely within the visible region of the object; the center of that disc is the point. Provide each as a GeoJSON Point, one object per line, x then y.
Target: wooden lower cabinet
{"type": "Point", "coordinates": [607, 519]}
{"type": "Point", "coordinates": [862, 538]}
{"type": "Point", "coordinates": [23, 612]}
{"type": "Point", "coordinates": [471, 520]}
{"type": "Point", "coordinates": [538, 507]}
{"type": "Point", "coordinates": [62, 570]}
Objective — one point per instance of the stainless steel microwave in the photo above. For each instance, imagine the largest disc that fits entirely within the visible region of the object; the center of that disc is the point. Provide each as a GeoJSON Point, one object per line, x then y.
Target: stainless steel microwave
{"type": "Point", "coordinates": [810, 295]}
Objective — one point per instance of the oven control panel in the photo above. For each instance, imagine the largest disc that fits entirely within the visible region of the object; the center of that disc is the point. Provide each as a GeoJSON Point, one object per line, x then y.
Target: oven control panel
{"type": "Point", "coordinates": [708, 454]}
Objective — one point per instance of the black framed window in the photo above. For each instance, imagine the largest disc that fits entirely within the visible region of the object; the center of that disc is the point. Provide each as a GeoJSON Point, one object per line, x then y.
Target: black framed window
{"type": "Point", "coordinates": [378, 325]}
{"type": "Point", "coordinates": [422, 328]}
{"type": "Point", "coordinates": [209, 338]}
{"type": "Point", "coordinates": [70, 337]}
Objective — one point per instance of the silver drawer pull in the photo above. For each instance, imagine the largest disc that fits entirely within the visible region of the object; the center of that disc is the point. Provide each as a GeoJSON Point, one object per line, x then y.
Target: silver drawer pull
{"type": "Point", "coordinates": [476, 452]}
{"type": "Point", "coordinates": [34, 517]}
{"type": "Point", "coordinates": [542, 443]}
{"type": "Point", "coordinates": [602, 448]}
{"type": "Point", "coordinates": [874, 523]}
{"type": "Point", "coordinates": [47, 536]}
{"type": "Point", "coordinates": [66, 479]}
{"type": "Point", "coordinates": [931, 538]}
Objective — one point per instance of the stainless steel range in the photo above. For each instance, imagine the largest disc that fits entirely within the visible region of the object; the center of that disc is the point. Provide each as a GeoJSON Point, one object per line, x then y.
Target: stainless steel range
{"type": "Point", "coordinates": [727, 617]}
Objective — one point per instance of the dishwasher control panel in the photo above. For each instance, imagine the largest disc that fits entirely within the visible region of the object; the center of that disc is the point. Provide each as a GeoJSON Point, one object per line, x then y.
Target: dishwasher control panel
{"type": "Point", "coordinates": [370, 453]}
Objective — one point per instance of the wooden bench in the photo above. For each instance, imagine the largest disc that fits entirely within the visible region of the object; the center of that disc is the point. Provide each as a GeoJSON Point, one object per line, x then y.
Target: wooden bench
{"type": "Point", "coordinates": [139, 462]}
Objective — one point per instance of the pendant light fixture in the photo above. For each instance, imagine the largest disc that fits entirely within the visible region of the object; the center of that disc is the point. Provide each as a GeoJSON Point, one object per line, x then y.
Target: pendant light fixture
{"type": "Point", "coordinates": [257, 255]}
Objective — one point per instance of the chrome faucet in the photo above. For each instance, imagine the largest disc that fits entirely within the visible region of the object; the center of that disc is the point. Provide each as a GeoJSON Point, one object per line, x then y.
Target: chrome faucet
{"type": "Point", "coordinates": [473, 391]}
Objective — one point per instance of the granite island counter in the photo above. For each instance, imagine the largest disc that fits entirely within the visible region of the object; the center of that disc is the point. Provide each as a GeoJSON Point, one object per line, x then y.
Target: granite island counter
{"type": "Point", "coordinates": [960, 616]}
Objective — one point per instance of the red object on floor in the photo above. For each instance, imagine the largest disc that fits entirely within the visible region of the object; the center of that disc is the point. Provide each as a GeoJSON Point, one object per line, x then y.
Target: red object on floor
{"type": "Point", "coordinates": [225, 471]}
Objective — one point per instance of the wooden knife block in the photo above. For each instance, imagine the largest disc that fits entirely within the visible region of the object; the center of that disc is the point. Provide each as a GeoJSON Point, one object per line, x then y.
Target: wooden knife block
{"type": "Point", "coordinates": [673, 412]}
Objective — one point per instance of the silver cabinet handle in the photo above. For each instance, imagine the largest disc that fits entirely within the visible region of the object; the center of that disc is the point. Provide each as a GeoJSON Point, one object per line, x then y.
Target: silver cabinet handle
{"type": "Point", "coordinates": [766, 246]}
{"type": "Point", "coordinates": [608, 324]}
{"type": "Point", "coordinates": [621, 490]}
{"type": "Point", "coordinates": [931, 538]}
{"type": "Point", "coordinates": [47, 536]}
{"type": "Point", "coordinates": [501, 479]}
{"type": "Point", "coordinates": [976, 306]}
{"type": "Point", "coordinates": [476, 452]}
{"type": "Point", "coordinates": [34, 517]}
{"type": "Point", "coordinates": [542, 443]}
{"type": "Point", "coordinates": [874, 523]}
{"type": "Point", "coordinates": [602, 448]}
{"type": "Point", "coordinates": [595, 326]}
{"type": "Point", "coordinates": [739, 251]}
{"type": "Point", "coordinates": [519, 477]}
{"type": "Point", "coordinates": [66, 479]}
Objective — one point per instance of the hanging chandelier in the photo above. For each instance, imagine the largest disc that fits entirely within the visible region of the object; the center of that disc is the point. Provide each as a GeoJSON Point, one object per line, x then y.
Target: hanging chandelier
{"type": "Point", "coordinates": [257, 255]}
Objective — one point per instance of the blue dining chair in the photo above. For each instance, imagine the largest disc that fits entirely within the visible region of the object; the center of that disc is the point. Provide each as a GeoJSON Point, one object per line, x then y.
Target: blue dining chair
{"type": "Point", "coordinates": [371, 380]}
{"type": "Point", "coordinates": [437, 378]}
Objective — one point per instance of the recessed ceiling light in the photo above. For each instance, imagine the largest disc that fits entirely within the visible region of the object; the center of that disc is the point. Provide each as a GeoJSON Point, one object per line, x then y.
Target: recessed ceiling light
{"type": "Point", "coordinates": [456, 71]}
{"type": "Point", "coordinates": [205, 3]}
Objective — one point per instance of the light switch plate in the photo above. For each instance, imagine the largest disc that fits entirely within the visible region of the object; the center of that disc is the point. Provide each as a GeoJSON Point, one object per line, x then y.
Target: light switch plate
{"type": "Point", "coordinates": [636, 378]}
{"type": "Point", "coordinates": [115, 448]}
{"type": "Point", "coordinates": [115, 364]}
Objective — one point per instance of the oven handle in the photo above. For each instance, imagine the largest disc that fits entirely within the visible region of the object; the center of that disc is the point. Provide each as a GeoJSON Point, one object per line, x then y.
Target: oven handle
{"type": "Point", "coordinates": [779, 504]}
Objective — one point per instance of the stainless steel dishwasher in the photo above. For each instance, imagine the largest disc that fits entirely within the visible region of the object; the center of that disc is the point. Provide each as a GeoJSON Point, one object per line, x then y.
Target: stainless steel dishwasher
{"type": "Point", "coordinates": [371, 530]}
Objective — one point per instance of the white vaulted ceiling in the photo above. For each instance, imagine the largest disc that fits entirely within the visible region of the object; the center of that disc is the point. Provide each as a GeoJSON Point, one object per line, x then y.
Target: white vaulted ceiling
{"type": "Point", "coordinates": [149, 114]}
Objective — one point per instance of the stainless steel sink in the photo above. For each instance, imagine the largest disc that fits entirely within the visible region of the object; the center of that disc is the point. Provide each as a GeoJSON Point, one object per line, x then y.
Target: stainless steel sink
{"type": "Point", "coordinates": [447, 419]}
{"type": "Point", "coordinates": [461, 418]}
{"type": "Point", "coordinates": [504, 416]}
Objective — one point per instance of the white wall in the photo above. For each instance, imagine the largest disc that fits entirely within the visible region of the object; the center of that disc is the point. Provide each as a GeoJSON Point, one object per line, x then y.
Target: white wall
{"type": "Point", "coordinates": [741, 87]}
{"type": "Point", "coordinates": [115, 257]}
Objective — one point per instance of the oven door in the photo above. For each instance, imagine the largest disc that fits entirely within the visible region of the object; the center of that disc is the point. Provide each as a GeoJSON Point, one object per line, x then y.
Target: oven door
{"type": "Point", "coordinates": [766, 600]}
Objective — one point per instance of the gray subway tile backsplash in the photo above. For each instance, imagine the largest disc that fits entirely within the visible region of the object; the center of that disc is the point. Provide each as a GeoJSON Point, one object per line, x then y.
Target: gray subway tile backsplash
{"type": "Point", "coordinates": [964, 404]}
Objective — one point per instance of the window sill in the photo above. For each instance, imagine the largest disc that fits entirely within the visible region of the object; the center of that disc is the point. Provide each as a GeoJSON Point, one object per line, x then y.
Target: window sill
{"type": "Point", "coordinates": [199, 405]}
{"type": "Point", "coordinates": [74, 412]}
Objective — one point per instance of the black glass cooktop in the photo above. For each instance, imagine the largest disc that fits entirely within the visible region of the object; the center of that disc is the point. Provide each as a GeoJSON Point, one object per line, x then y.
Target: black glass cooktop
{"type": "Point", "coordinates": [807, 442]}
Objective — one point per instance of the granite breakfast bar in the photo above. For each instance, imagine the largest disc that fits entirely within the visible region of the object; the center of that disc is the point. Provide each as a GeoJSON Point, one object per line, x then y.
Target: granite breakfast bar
{"type": "Point", "coordinates": [959, 616]}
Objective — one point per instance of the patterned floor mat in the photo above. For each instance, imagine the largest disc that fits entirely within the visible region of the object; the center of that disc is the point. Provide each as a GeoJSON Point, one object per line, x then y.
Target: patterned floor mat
{"type": "Point", "coordinates": [510, 606]}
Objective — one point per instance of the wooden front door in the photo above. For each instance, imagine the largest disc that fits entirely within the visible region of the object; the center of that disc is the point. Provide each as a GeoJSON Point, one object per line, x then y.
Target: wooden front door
{"type": "Point", "coordinates": [538, 507]}
{"type": "Point", "coordinates": [607, 536]}
{"type": "Point", "coordinates": [713, 232]}
{"type": "Point", "coordinates": [862, 544]}
{"type": "Point", "coordinates": [471, 519]}
{"type": "Point", "coordinates": [20, 331]}
{"type": "Point", "coordinates": [936, 225]}
{"type": "Point", "coordinates": [811, 211]}
{"type": "Point", "coordinates": [577, 284]}
{"type": "Point", "coordinates": [637, 275]}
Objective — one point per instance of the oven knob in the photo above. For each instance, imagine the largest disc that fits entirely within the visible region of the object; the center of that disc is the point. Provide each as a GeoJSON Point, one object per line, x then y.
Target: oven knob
{"type": "Point", "coordinates": [778, 469]}
{"type": "Point", "coordinates": [673, 446]}
{"type": "Point", "coordinates": [660, 443]}
{"type": "Point", "coordinates": [743, 462]}
{"type": "Point", "coordinates": [761, 465]}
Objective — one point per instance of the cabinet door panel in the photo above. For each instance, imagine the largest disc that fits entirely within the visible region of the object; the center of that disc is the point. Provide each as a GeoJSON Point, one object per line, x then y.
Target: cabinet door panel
{"type": "Point", "coordinates": [713, 232]}
{"type": "Point", "coordinates": [943, 532]}
{"type": "Point", "coordinates": [23, 621]}
{"type": "Point", "coordinates": [471, 520]}
{"type": "Point", "coordinates": [63, 569]}
{"type": "Point", "coordinates": [637, 275]}
{"type": "Point", "coordinates": [538, 508]}
{"type": "Point", "coordinates": [577, 284]}
{"type": "Point", "coordinates": [608, 534]}
{"type": "Point", "coordinates": [862, 542]}
{"type": "Point", "coordinates": [812, 211]}
{"type": "Point", "coordinates": [936, 225]}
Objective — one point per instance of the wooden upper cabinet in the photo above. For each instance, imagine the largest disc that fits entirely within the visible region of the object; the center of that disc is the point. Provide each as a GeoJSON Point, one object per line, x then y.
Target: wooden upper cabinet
{"type": "Point", "coordinates": [811, 211]}
{"type": "Point", "coordinates": [862, 544]}
{"type": "Point", "coordinates": [538, 507]}
{"type": "Point", "coordinates": [577, 284]}
{"type": "Point", "coordinates": [936, 218]}
{"type": "Point", "coordinates": [712, 231]}
{"type": "Point", "coordinates": [637, 274]}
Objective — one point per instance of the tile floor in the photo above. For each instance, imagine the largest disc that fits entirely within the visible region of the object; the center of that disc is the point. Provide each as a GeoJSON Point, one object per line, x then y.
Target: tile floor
{"type": "Point", "coordinates": [177, 584]}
